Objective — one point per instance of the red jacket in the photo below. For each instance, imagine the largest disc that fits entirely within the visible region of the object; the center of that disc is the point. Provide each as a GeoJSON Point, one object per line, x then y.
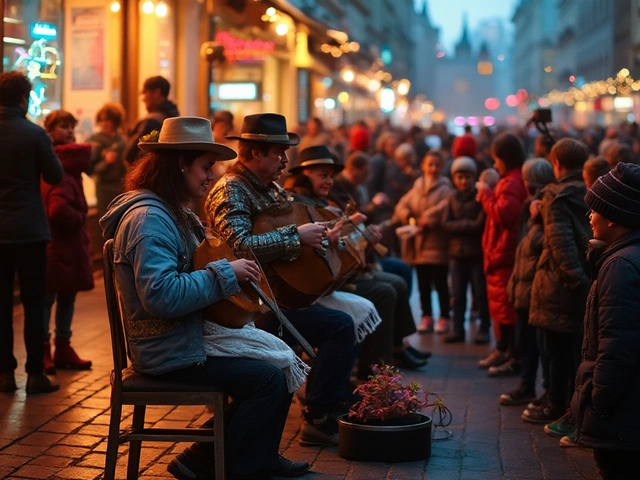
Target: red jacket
{"type": "Point", "coordinates": [503, 207]}
{"type": "Point", "coordinates": [69, 266]}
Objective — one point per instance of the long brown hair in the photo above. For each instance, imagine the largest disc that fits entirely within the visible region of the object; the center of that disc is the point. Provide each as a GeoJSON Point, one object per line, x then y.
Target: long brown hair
{"type": "Point", "coordinates": [159, 171]}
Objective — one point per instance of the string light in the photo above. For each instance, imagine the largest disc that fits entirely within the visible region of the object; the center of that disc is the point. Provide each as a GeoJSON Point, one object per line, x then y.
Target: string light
{"type": "Point", "coordinates": [622, 84]}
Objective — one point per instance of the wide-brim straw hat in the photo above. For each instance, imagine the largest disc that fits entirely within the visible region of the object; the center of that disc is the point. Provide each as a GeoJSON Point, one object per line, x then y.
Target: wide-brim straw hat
{"type": "Point", "coordinates": [267, 128]}
{"type": "Point", "coordinates": [317, 156]}
{"type": "Point", "coordinates": [188, 133]}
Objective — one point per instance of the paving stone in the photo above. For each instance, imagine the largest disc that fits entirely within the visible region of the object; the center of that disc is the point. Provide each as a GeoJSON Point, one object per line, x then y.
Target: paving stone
{"type": "Point", "coordinates": [36, 471]}
{"type": "Point", "coordinates": [51, 461]}
{"type": "Point", "coordinates": [31, 451]}
{"type": "Point", "coordinates": [12, 460]}
{"type": "Point", "coordinates": [67, 451]}
{"type": "Point", "coordinates": [42, 439]}
{"type": "Point", "coordinates": [80, 473]}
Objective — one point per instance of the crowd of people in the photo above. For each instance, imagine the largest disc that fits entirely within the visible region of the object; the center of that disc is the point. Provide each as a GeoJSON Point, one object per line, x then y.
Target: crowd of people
{"type": "Point", "coordinates": [547, 250]}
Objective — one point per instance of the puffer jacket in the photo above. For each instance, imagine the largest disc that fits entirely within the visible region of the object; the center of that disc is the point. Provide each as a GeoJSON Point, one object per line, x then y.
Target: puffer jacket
{"type": "Point", "coordinates": [161, 296]}
{"type": "Point", "coordinates": [428, 246]}
{"type": "Point", "coordinates": [463, 221]}
{"type": "Point", "coordinates": [561, 283]}
{"type": "Point", "coordinates": [605, 402]}
{"type": "Point", "coordinates": [69, 265]}
{"type": "Point", "coordinates": [503, 207]}
{"type": "Point", "coordinates": [527, 256]}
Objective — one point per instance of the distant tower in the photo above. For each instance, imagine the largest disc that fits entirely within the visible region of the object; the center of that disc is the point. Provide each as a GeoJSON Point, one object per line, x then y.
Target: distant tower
{"type": "Point", "coordinates": [463, 48]}
{"type": "Point", "coordinates": [485, 67]}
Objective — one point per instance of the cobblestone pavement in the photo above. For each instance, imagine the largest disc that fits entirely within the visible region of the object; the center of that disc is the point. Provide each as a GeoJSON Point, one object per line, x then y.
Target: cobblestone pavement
{"type": "Point", "coordinates": [63, 434]}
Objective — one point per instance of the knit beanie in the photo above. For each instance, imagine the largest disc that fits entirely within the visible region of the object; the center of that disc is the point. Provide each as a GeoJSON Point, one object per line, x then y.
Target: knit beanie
{"type": "Point", "coordinates": [464, 164]}
{"type": "Point", "coordinates": [464, 146]}
{"type": "Point", "coordinates": [616, 195]}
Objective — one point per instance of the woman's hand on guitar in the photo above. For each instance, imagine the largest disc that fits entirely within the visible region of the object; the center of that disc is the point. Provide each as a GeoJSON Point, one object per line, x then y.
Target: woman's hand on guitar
{"type": "Point", "coordinates": [373, 234]}
{"type": "Point", "coordinates": [358, 218]}
{"type": "Point", "coordinates": [313, 235]}
{"type": "Point", "coordinates": [246, 270]}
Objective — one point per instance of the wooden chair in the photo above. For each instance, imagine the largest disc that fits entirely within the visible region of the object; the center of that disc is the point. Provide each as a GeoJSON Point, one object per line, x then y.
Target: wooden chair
{"type": "Point", "coordinates": [129, 387]}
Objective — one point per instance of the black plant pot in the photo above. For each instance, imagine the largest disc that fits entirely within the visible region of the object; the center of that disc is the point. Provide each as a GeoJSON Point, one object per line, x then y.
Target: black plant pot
{"type": "Point", "coordinates": [406, 442]}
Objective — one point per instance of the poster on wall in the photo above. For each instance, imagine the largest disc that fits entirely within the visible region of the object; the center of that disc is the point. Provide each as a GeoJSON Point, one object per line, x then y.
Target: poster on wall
{"type": "Point", "coordinates": [87, 48]}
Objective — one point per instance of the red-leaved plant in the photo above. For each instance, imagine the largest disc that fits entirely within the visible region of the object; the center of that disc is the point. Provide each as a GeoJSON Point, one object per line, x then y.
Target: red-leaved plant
{"type": "Point", "coordinates": [385, 398]}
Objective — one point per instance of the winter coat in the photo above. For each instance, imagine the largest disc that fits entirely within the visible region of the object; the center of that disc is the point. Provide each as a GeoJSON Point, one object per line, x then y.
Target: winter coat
{"type": "Point", "coordinates": [27, 155]}
{"type": "Point", "coordinates": [153, 121]}
{"type": "Point", "coordinates": [429, 245]}
{"type": "Point", "coordinates": [161, 296]}
{"type": "Point", "coordinates": [527, 256]}
{"type": "Point", "coordinates": [69, 267]}
{"type": "Point", "coordinates": [463, 221]}
{"type": "Point", "coordinates": [109, 177]}
{"type": "Point", "coordinates": [503, 207]}
{"type": "Point", "coordinates": [561, 283]}
{"type": "Point", "coordinates": [605, 401]}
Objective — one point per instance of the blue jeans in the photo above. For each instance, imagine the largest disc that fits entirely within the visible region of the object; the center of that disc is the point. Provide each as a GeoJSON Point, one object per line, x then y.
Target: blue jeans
{"type": "Point", "coordinates": [29, 261]}
{"type": "Point", "coordinates": [65, 305]}
{"type": "Point", "coordinates": [395, 265]}
{"type": "Point", "coordinates": [332, 333]}
{"type": "Point", "coordinates": [463, 273]}
{"type": "Point", "coordinates": [257, 415]}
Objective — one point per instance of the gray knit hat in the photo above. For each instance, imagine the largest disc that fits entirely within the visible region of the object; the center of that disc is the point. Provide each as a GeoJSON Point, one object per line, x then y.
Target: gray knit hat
{"type": "Point", "coordinates": [616, 195]}
{"type": "Point", "coordinates": [464, 164]}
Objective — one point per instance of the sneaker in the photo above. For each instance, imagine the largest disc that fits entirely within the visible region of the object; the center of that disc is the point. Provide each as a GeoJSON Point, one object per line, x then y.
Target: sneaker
{"type": "Point", "coordinates": [482, 338]}
{"type": "Point", "coordinates": [565, 425]}
{"type": "Point", "coordinates": [495, 359]}
{"type": "Point", "coordinates": [443, 326]}
{"type": "Point", "coordinates": [507, 369]}
{"type": "Point", "coordinates": [427, 325]}
{"type": "Point", "coordinates": [455, 337]}
{"type": "Point", "coordinates": [194, 463]}
{"type": "Point", "coordinates": [570, 440]}
{"type": "Point", "coordinates": [544, 414]}
{"type": "Point", "coordinates": [288, 468]}
{"type": "Point", "coordinates": [405, 359]}
{"type": "Point", "coordinates": [423, 355]}
{"type": "Point", "coordinates": [520, 395]}
{"type": "Point", "coordinates": [538, 402]}
{"type": "Point", "coordinates": [321, 431]}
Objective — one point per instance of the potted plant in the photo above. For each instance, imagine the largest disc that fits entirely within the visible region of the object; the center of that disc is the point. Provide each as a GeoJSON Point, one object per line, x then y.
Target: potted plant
{"type": "Point", "coordinates": [386, 425]}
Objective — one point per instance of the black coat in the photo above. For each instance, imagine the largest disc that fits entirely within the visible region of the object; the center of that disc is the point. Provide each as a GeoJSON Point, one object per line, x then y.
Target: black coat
{"type": "Point", "coordinates": [605, 402]}
{"type": "Point", "coordinates": [464, 220]}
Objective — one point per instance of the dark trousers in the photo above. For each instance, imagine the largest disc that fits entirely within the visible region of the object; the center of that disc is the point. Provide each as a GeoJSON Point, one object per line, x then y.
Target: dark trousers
{"type": "Point", "coordinates": [435, 275]}
{"type": "Point", "coordinates": [564, 351]}
{"type": "Point", "coordinates": [377, 346]}
{"type": "Point", "coordinates": [617, 464]}
{"type": "Point", "coordinates": [527, 350]}
{"type": "Point", "coordinates": [29, 261]}
{"type": "Point", "coordinates": [463, 274]}
{"type": "Point", "coordinates": [333, 334]}
{"type": "Point", "coordinates": [257, 414]}
{"type": "Point", "coordinates": [398, 267]}
{"type": "Point", "coordinates": [507, 341]}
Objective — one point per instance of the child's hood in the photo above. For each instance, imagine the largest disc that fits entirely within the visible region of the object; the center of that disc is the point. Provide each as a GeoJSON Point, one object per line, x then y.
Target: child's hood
{"type": "Point", "coordinates": [75, 157]}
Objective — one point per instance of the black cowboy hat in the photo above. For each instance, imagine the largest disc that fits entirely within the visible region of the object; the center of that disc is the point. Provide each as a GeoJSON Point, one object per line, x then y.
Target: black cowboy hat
{"type": "Point", "coordinates": [266, 127]}
{"type": "Point", "coordinates": [316, 157]}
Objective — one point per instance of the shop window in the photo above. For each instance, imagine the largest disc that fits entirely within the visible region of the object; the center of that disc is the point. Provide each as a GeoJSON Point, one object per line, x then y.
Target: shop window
{"type": "Point", "coordinates": [32, 44]}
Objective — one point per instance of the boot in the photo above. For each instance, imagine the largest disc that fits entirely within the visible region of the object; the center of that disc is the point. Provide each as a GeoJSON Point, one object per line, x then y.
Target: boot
{"type": "Point", "coordinates": [67, 358]}
{"type": "Point", "coordinates": [7, 382]}
{"type": "Point", "coordinates": [49, 367]}
{"type": "Point", "coordinates": [40, 383]}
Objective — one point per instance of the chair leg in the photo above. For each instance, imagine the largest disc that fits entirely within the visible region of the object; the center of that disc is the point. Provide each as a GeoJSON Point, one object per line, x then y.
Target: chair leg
{"type": "Point", "coordinates": [218, 436]}
{"type": "Point", "coordinates": [113, 441]}
{"type": "Point", "coordinates": [134, 449]}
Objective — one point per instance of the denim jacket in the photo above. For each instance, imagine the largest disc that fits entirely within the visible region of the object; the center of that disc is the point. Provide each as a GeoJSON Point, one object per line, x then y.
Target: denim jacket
{"type": "Point", "coordinates": [160, 295]}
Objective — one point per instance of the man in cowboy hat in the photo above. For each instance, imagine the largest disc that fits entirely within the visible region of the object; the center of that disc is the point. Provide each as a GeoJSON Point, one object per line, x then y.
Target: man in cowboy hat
{"type": "Point", "coordinates": [243, 192]}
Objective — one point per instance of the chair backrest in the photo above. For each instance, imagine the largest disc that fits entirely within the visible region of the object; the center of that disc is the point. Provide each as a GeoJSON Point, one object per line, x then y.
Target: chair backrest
{"type": "Point", "coordinates": [118, 339]}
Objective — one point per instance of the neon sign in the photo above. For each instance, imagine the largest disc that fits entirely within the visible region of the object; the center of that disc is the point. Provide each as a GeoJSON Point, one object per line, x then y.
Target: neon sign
{"type": "Point", "coordinates": [239, 50]}
{"type": "Point", "coordinates": [43, 30]}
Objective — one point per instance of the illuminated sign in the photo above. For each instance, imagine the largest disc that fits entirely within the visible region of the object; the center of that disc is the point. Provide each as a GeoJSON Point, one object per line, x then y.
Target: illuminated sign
{"type": "Point", "coordinates": [238, 91]}
{"type": "Point", "coordinates": [623, 103]}
{"type": "Point", "coordinates": [239, 50]}
{"type": "Point", "coordinates": [43, 30]}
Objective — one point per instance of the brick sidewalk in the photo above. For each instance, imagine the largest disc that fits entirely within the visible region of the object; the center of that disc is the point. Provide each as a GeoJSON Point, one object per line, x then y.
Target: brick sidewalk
{"type": "Point", "coordinates": [63, 434]}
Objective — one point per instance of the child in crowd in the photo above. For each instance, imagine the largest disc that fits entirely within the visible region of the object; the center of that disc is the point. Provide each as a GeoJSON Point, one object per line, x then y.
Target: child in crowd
{"type": "Point", "coordinates": [69, 268]}
{"type": "Point", "coordinates": [107, 164]}
{"type": "Point", "coordinates": [463, 221]}
{"type": "Point", "coordinates": [536, 174]}
{"type": "Point", "coordinates": [561, 283]}
{"type": "Point", "coordinates": [594, 168]}
{"type": "Point", "coordinates": [427, 250]}
{"type": "Point", "coordinates": [503, 207]}
{"type": "Point", "coordinates": [605, 402]}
